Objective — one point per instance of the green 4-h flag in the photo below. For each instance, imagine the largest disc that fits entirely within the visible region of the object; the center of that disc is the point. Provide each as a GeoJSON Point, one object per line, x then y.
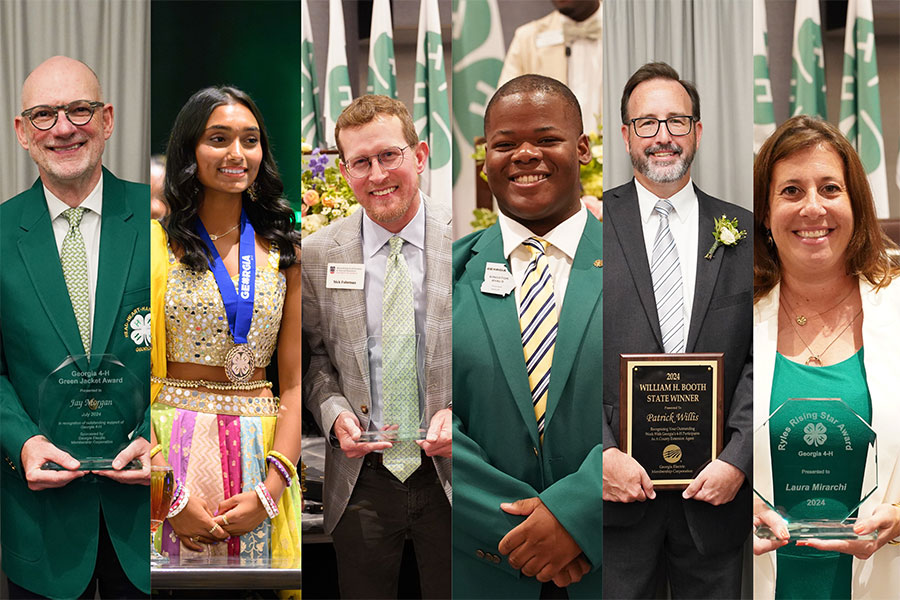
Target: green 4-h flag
{"type": "Point", "coordinates": [338, 93]}
{"type": "Point", "coordinates": [431, 106]}
{"type": "Point", "coordinates": [808, 72]}
{"type": "Point", "coordinates": [382, 68]}
{"type": "Point", "coordinates": [310, 121]}
{"type": "Point", "coordinates": [763, 110]}
{"type": "Point", "coordinates": [860, 105]}
{"type": "Point", "coordinates": [478, 53]}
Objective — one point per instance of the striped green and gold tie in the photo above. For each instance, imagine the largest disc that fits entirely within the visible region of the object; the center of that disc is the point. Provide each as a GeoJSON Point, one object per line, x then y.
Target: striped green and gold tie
{"type": "Point", "coordinates": [73, 257]}
{"type": "Point", "coordinates": [538, 320]}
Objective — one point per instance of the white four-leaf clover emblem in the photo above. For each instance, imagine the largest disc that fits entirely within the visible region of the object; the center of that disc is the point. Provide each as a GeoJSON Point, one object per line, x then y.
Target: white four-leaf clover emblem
{"type": "Point", "coordinates": [140, 330]}
{"type": "Point", "coordinates": [815, 434]}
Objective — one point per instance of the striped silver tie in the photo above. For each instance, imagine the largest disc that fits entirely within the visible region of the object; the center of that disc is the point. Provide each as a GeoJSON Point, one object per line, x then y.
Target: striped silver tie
{"type": "Point", "coordinates": [667, 287]}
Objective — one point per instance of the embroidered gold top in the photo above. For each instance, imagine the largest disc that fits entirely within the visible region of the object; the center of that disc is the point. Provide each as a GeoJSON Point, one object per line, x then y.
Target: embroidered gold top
{"type": "Point", "coordinates": [196, 326]}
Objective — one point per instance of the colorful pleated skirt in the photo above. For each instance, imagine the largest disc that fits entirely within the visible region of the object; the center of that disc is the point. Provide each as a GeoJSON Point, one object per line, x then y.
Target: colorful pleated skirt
{"type": "Point", "coordinates": [217, 445]}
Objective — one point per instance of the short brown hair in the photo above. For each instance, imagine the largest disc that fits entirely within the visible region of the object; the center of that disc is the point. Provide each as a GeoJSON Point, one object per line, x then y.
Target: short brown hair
{"type": "Point", "coordinates": [366, 108]}
{"type": "Point", "coordinates": [866, 254]}
{"type": "Point", "coordinates": [658, 70]}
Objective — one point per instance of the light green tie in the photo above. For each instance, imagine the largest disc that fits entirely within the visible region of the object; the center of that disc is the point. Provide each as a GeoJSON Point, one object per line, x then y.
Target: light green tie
{"type": "Point", "coordinates": [400, 391]}
{"type": "Point", "coordinates": [73, 257]}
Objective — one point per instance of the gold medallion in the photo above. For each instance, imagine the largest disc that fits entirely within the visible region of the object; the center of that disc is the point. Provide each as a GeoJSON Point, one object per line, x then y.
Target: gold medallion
{"type": "Point", "coordinates": [239, 363]}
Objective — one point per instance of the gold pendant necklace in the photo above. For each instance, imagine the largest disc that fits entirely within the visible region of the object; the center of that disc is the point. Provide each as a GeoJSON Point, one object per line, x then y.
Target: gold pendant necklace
{"type": "Point", "coordinates": [814, 360]}
{"type": "Point", "coordinates": [802, 320]}
{"type": "Point", "coordinates": [214, 237]}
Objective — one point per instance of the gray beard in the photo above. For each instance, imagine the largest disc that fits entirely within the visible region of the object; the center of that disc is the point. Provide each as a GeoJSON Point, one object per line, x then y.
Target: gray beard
{"type": "Point", "coordinates": [659, 174]}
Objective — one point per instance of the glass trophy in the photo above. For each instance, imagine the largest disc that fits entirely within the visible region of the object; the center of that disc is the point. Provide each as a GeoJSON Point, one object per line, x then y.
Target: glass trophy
{"type": "Point", "coordinates": [398, 425]}
{"type": "Point", "coordinates": [824, 466]}
{"type": "Point", "coordinates": [91, 413]}
{"type": "Point", "coordinates": [162, 486]}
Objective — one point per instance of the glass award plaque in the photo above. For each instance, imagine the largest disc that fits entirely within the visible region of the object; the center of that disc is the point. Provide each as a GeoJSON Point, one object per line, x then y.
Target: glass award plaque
{"type": "Point", "coordinates": [824, 465]}
{"type": "Point", "coordinates": [400, 423]}
{"type": "Point", "coordinates": [91, 413]}
{"type": "Point", "coordinates": [671, 414]}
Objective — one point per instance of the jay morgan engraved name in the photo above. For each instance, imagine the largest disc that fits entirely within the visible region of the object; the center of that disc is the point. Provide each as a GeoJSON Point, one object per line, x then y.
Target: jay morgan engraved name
{"type": "Point", "coordinates": [808, 418]}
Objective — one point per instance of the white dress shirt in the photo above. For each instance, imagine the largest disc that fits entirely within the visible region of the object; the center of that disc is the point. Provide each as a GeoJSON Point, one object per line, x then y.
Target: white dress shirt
{"type": "Point", "coordinates": [585, 66]}
{"type": "Point", "coordinates": [90, 231]}
{"type": "Point", "coordinates": [376, 250]}
{"type": "Point", "coordinates": [563, 240]}
{"type": "Point", "coordinates": [683, 223]}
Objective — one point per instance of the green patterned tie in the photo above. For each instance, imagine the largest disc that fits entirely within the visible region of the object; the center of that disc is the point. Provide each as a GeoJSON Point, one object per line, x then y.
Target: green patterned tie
{"type": "Point", "coordinates": [400, 392]}
{"type": "Point", "coordinates": [73, 257]}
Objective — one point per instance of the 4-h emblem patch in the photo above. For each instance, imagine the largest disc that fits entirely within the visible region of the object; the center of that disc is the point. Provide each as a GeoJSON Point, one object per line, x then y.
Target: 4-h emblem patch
{"type": "Point", "coordinates": [137, 328]}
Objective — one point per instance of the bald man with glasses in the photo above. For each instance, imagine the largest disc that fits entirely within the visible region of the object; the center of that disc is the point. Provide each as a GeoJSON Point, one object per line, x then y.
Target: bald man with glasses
{"type": "Point", "coordinates": [75, 283]}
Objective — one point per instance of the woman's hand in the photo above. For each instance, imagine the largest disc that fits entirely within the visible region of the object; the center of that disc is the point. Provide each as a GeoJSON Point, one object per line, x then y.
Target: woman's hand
{"type": "Point", "coordinates": [763, 515]}
{"type": "Point", "coordinates": [241, 513]}
{"type": "Point", "coordinates": [885, 519]}
{"type": "Point", "coordinates": [193, 525]}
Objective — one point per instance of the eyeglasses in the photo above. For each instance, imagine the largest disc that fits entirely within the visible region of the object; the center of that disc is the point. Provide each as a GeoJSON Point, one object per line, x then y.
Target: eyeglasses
{"type": "Point", "coordinates": [647, 127]}
{"type": "Point", "coordinates": [389, 158]}
{"type": "Point", "coordinates": [79, 112]}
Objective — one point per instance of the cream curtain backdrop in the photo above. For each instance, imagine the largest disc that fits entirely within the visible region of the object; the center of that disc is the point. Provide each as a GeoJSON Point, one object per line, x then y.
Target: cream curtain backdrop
{"type": "Point", "coordinates": [113, 38]}
{"type": "Point", "coordinates": [708, 42]}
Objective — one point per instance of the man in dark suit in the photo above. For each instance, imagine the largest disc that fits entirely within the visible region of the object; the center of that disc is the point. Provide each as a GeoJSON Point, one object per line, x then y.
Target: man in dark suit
{"type": "Point", "coordinates": [75, 283]}
{"type": "Point", "coordinates": [662, 295]}
{"type": "Point", "coordinates": [527, 341]}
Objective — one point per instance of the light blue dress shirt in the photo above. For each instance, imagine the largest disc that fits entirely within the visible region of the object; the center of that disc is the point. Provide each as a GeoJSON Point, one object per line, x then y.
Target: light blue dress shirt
{"type": "Point", "coordinates": [376, 250]}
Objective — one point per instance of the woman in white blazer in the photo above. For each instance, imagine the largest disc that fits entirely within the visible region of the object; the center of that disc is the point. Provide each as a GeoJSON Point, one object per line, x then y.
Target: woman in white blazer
{"type": "Point", "coordinates": [826, 294]}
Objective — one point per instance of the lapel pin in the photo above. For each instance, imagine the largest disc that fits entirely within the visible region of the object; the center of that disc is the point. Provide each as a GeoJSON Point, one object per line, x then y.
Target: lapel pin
{"type": "Point", "coordinates": [598, 263]}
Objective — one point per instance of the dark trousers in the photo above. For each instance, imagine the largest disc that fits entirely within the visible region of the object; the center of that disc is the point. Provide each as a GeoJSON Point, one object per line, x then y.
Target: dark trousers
{"type": "Point", "coordinates": [108, 577]}
{"type": "Point", "coordinates": [381, 514]}
{"type": "Point", "coordinates": [635, 556]}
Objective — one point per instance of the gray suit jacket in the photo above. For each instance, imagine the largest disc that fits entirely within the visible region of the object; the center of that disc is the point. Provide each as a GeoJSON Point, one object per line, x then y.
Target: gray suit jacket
{"type": "Point", "coordinates": [334, 324]}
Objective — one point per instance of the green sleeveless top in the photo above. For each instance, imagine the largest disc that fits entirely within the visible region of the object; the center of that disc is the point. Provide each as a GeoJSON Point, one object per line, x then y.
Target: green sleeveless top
{"type": "Point", "coordinates": [804, 572]}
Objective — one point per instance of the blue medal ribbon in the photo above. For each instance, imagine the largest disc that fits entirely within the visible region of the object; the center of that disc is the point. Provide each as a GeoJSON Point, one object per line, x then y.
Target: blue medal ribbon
{"type": "Point", "coordinates": [238, 302]}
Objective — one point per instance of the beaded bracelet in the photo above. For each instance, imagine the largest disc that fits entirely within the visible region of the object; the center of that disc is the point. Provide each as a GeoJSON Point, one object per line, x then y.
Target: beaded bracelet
{"type": "Point", "coordinates": [155, 450]}
{"type": "Point", "coordinates": [287, 464]}
{"type": "Point", "coordinates": [266, 498]}
{"type": "Point", "coordinates": [281, 470]}
{"type": "Point", "coordinates": [183, 496]}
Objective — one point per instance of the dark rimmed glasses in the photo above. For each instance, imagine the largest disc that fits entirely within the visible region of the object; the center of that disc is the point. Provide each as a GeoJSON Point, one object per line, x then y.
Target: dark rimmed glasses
{"type": "Point", "coordinates": [389, 158]}
{"type": "Point", "coordinates": [647, 127]}
{"type": "Point", "coordinates": [78, 112]}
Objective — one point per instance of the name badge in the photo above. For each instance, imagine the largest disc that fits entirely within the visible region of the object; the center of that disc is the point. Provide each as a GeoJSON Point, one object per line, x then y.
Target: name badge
{"type": "Point", "coordinates": [549, 38]}
{"type": "Point", "coordinates": [497, 280]}
{"type": "Point", "coordinates": [345, 276]}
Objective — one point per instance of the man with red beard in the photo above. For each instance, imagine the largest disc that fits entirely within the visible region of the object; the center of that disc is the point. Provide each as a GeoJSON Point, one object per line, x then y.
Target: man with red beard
{"type": "Point", "coordinates": [662, 295]}
{"type": "Point", "coordinates": [376, 314]}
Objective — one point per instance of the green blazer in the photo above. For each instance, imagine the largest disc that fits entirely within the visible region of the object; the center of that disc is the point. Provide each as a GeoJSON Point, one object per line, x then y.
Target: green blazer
{"type": "Point", "coordinates": [50, 537]}
{"type": "Point", "coordinates": [496, 453]}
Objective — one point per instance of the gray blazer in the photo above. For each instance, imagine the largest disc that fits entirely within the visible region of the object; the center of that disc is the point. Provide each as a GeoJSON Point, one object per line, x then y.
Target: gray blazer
{"type": "Point", "coordinates": [334, 324]}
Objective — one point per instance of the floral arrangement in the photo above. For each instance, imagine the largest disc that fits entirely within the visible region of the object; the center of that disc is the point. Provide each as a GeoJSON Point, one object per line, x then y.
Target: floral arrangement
{"type": "Point", "coordinates": [484, 218]}
{"type": "Point", "coordinates": [592, 173]}
{"type": "Point", "coordinates": [591, 180]}
{"type": "Point", "coordinates": [325, 194]}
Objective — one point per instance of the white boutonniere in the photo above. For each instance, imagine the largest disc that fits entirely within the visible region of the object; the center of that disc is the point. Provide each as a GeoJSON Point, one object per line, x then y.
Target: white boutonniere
{"type": "Point", "coordinates": [726, 233]}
